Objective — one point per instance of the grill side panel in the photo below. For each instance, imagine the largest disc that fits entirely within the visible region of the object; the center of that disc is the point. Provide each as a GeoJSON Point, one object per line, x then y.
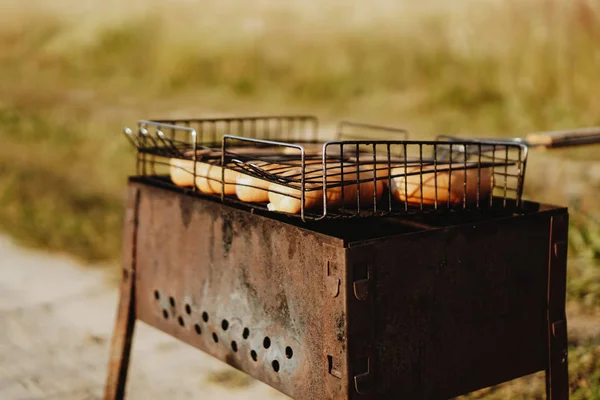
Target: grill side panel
{"type": "Point", "coordinates": [253, 292]}
{"type": "Point", "coordinates": [450, 310]}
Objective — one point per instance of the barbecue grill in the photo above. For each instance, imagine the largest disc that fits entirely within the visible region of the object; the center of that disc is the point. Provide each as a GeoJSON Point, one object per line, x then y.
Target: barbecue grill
{"type": "Point", "coordinates": [405, 269]}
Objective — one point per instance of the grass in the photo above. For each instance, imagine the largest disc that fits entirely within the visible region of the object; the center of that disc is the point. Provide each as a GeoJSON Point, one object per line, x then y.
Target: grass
{"type": "Point", "coordinates": [72, 76]}
{"type": "Point", "coordinates": [71, 79]}
{"type": "Point", "coordinates": [584, 375]}
{"type": "Point", "coordinates": [46, 197]}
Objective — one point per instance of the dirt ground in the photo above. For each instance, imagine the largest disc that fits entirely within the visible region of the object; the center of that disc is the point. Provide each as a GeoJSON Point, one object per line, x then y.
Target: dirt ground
{"type": "Point", "coordinates": [56, 320]}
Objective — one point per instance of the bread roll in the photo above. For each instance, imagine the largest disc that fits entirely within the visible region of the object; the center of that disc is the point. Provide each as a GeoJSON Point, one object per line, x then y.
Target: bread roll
{"type": "Point", "coordinates": [382, 169]}
{"type": "Point", "coordinates": [208, 176]}
{"type": "Point", "coordinates": [412, 191]}
{"type": "Point", "coordinates": [181, 171]}
{"type": "Point", "coordinates": [255, 190]}
{"type": "Point", "coordinates": [286, 199]}
{"type": "Point", "coordinates": [309, 149]}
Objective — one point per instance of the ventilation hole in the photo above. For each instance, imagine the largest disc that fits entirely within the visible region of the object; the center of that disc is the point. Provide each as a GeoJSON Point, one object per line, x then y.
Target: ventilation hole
{"type": "Point", "coordinates": [215, 338]}
{"type": "Point", "coordinates": [289, 353]}
{"type": "Point", "coordinates": [180, 319]}
{"type": "Point", "coordinates": [267, 342]}
{"type": "Point", "coordinates": [197, 328]}
{"type": "Point", "coordinates": [156, 295]}
{"type": "Point", "coordinates": [188, 309]}
{"type": "Point", "coordinates": [172, 301]}
{"type": "Point", "coordinates": [253, 355]}
{"type": "Point", "coordinates": [234, 346]}
{"type": "Point", "coordinates": [205, 316]}
{"type": "Point", "coordinates": [275, 365]}
{"type": "Point", "coordinates": [166, 314]}
{"type": "Point", "coordinates": [224, 324]}
{"type": "Point", "coordinates": [246, 333]}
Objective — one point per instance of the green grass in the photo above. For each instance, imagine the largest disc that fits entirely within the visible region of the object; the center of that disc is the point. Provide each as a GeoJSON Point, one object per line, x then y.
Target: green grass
{"type": "Point", "coordinates": [69, 84]}
{"type": "Point", "coordinates": [70, 79]}
{"type": "Point", "coordinates": [584, 376]}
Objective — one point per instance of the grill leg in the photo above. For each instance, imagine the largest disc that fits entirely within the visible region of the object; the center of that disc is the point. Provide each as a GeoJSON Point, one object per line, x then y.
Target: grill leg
{"type": "Point", "coordinates": [125, 323]}
{"type": "Point", "coordinates": [121, 341]}
{"type": "Point", "coordinates": [557, 373]}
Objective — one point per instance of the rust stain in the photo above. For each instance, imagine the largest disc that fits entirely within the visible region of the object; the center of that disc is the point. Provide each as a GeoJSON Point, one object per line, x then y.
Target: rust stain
{"type": "Point", "coordinates": [227, 234]}
{"type": "Point", "coordinates": [340, 327]}
{"type": "Point", "coordinates": [211, 241]}
{"type": "Point", "coordinates": [185, 210]}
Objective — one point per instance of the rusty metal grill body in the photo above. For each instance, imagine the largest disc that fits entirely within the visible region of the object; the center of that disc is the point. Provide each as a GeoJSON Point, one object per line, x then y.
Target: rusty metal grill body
{"type": "Point", "coordinates": [425, 307]}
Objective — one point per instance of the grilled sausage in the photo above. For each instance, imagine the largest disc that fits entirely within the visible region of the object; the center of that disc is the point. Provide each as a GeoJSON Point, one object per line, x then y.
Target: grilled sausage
{"type": "Point", "coordinates": [256, 190]}
{"type": "Point", "coordinates": [287, 199]}
{"type": "Point", "coordinates": [409, 187]}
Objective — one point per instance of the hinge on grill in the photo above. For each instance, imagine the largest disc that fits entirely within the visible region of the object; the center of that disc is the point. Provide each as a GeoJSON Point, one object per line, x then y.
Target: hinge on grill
{"type": "Point", "coordinates": [332, 283]}
{"type": "Point", "coordinates": [333, 366]}
{"type": "Point", "coordinates": [363, 379]}
{"type": "Point", "coordinates": [361, 281]}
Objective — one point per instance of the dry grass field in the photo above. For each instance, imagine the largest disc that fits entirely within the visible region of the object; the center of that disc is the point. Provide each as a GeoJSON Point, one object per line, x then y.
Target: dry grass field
{"type": "Point", "coordinates": [73, 73]}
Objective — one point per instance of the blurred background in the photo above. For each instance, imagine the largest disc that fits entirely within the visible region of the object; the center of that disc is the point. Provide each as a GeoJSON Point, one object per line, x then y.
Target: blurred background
{"type": "Point", "coordinates": [73, 73]}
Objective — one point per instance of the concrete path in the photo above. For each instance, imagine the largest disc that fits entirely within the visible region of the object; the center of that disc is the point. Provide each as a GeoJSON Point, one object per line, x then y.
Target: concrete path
{"type": "Point", "coordinates": [56, 320]}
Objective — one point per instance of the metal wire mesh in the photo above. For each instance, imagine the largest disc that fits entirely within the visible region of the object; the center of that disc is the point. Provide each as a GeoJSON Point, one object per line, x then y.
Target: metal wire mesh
{"type": "Point", "coordinates": [268, 163]}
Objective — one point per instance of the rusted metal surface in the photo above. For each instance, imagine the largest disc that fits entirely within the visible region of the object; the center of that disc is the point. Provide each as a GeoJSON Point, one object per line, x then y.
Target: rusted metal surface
{"type": "Point", "coordinates": [333, 364]}
{"type": "Point", "coordinates": [426, 310]}
{"type": "Point", "coordinates": [245, 289]}
{"type": "Point", "coordinates": [557, 379]}
{"type": "Point", "coordinates": [456, 309]}
{"type": "Point", "coordinates": [125, 321]}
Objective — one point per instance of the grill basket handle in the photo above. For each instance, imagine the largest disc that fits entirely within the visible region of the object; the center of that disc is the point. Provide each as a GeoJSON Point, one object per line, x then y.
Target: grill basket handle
{"type": "Point", "coordinates": [567, 138]}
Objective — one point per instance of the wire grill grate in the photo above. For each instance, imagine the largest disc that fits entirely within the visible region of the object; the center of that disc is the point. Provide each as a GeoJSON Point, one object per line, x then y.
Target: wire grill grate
{"type": "Point", "coordinates": [281, 165]}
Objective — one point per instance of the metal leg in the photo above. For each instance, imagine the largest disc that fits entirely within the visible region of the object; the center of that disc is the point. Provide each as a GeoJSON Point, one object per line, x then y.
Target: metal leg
{"type": "Point", "coordinates": [557, 372]}
{"type": "Point", "coordinates": [126, 316]}
{"type": "Point", "coordinates": [121, 341]}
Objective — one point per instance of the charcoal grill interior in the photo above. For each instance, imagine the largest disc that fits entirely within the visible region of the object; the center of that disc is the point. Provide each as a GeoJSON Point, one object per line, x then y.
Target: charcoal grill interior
{"type": "Point", "coordinates": [368, 227]}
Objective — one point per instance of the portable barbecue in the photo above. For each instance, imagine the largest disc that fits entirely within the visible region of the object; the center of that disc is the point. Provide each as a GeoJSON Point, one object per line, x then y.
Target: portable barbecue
{"type": "Point", "coordinates": [348, 268]}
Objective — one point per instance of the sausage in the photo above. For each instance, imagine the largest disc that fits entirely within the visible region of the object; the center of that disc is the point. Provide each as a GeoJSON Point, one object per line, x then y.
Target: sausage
{"type": "Point", "coordinates": [412, 191]}
{"type": "Point", "coordinates": [287, 199]}
{"type": "Point", "coordinates": [256, 190]}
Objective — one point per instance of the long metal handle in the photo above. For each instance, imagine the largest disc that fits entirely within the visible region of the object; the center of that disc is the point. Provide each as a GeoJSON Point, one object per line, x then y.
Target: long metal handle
{"type": "Point", "coordinates": [567, 138]}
